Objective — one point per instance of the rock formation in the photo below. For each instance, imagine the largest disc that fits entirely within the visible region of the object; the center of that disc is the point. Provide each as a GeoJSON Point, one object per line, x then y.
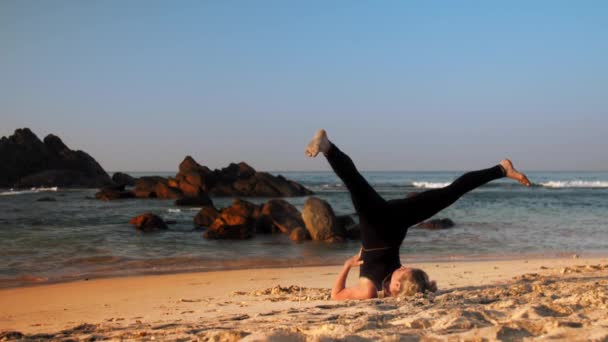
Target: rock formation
{"type": "Point", "coordinates": [321, 221]}
{"type": "Point", "coordinates": [148, 222]}
{"type": "Point", "coordinates": [27, 162]}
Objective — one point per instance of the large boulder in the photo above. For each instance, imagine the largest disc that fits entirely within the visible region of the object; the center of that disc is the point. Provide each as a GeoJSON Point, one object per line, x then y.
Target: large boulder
{"type": "Point", "coordinates": [436, 224]}
{"type": "Point", "coordinates": [206, 216]}
{"type": "Point", "coordinates": [193, 177]}
{"type": "Point", "coordinates": [120, 178]}
{"type": "Point", "coordinates": [237, 221]}
{"type": "Point", "coordinates": [114, 193]}
{"type": "Point", "coordinates": [26, 161]}
{"type": "Point", "coordinates": [281, 216]}
{"type": "Point", "coordinates": [299, 235]}
{"type": "Point", "coordinates": [320, 220]}
{"type": "Point", "coordinates": [145, 187]}
{"type": "Point", "coordinates": [148, 222]}
{"type": "Point", "coordinates": [199, 201]}
{"type": "Point", "coordinates": [163, 190]}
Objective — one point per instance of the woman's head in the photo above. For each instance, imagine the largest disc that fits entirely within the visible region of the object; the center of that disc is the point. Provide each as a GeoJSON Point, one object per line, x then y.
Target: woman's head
{"type": "Point", "coordinates": [406, 281]}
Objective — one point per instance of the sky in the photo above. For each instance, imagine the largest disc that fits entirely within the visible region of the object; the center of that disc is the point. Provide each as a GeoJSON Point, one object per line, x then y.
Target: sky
{"type": "Point", "coordinates": [398, 85]}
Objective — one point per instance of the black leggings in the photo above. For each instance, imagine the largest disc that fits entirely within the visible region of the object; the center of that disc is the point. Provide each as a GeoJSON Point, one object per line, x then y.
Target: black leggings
{"type": "Point", "coordinates": [384, 223]}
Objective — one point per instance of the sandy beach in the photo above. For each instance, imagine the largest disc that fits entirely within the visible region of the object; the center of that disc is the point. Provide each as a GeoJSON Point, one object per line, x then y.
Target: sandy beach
{"type": "Point", "coordinates": [559, 298]}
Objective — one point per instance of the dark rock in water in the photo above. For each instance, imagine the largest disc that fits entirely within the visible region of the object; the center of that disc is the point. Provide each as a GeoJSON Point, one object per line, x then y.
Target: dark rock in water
{"type": "Point", "coordinates": [163, 190]}
{"type": "Point", "coordinates": [121, 178]}
{"type": "Point", "coordinates": [353, 232]}
{"type": "Point", "coordinates": [145, 187]}
{"type": "Point", "coordinates": [237, 221]}
{"type": "Point", "coordinates": [320, 220]}
{"type": "Point", "coordinates": [26, 162]}
{"type": "Point", "coordinates": [344, 221]}
{"type": "Point", "coordinates": [201, 200]}
{"type": "Point", "coordinates": [46, 199]}
{"type": "Point", "coordinates": [226, 232]}
{"type": "Point", "coordinates": [148, 222]}
{"type": "Point", "coordinates": [299, 234]}
{"type": "Point", "coordinates": [436, 224]}
{"type": "Point", "coordinates": [206, 216]}
{"type": "Point", "coordinates": [193, 177]}
{"type": "Point", "coordinates": [234, 180]}
{"type": "Point", "coordinates": [113, 193]}
{"type": "Point", "coordinates": [281, 216]}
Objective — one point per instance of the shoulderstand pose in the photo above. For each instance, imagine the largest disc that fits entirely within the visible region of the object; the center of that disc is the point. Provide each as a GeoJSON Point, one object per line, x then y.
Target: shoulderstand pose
{"type": "Point", "coordinates": [384, 224]}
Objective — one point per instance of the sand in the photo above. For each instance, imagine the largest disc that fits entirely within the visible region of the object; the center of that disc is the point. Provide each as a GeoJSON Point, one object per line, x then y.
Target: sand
{"type": "Point", "coordinates": [557, 299]}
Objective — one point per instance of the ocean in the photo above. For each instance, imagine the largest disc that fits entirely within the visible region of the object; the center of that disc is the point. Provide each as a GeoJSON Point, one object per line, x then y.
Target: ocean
{"type": "Point", "coordinates": [77, 237]}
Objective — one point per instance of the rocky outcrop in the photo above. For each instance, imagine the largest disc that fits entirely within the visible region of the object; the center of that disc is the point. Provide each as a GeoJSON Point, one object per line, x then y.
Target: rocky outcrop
{"type": "Point", "coordinates": [299, 235]}
{"type": "Point", "coordinates": [279, 215]}
{"type": "Point", "coordinates": [235, 180]}
{"type": "Point", "coordinates": [205, 217]}
{"type": "Point", "coordinates": [114, 193]}
{"type": "Point", "coordinates": [148, 222]}
{"type": "Point", "coordinates": [26, 162]}
{"type": "Point", "coordinates": [353, 232]}
{"type": "Point", "coordinates": [120, 178]}
{"type": "Point", "coordinates": [237, 221]}
{"type": "Point", "coordinates": [320, 221]}
{"type": "Point", "coordinates": [436, 224]}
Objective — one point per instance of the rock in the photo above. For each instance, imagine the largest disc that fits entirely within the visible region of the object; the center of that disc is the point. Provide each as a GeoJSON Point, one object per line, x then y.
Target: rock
{"type": "Point", "coordinates": [121, 178]}
{"type": "Point", "coordinates": [238, 232]}
{"type": "Point", "coordinates": [114, 193]}
{"type": "Point", "coordinates": [344, 221]}
{"type": "Point", "coordinates": [299, 234]}
{"type": "Point", "coordinates": [201, 200]}
{"type": "Point", "coordinates": [206, 216]}
{"type": "Point", "coordinates": [194, 177]}
{"type": "Point", "coordinates": [435, 224]}
{"type": "Point", "coordinates": [237, 221]}
{"type": "Point", "coordinates": [320, 220]}
{"type": "Point", "coordinates": [353, 232]}
{"type": "Point", "coordinates": [281, 216]}
{"type": "Point", "coordinates": [163, 190]}
{"type": "Point", "coordinates": [26, 162]}
{"type": "Point", "coordinates": [145, 187]}
{"type": "Point", "coordinates": [172, 182]}
{"type": "Point", "coordinates": [148, 222]}
{"type": "Point", "coordinates": [46, 199]}
{"type": "Point", "coordinates": [240, 212]}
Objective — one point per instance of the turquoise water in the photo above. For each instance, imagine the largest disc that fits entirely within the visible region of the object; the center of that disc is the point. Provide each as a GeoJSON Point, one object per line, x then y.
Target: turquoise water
{"type": "Point", "coordinates": [78, 237]}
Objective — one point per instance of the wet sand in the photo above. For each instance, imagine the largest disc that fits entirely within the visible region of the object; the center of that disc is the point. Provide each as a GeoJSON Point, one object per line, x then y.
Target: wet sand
{"type": "Point", "coordinates": [559, 298]}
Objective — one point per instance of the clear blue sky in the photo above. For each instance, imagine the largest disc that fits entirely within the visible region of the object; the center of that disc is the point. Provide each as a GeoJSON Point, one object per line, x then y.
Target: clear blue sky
{"type": "Point", "coordinates": [399, 85]}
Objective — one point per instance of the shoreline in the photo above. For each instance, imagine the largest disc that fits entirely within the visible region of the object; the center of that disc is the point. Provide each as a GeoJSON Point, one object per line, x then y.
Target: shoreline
{"type": "Point", "coordinates": [196, 298]}
{"type": "Point", "coordinates": [36, 280]}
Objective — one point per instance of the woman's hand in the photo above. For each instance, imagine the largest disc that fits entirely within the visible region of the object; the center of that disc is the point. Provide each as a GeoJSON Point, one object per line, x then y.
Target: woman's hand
{"type": "Point", "coordinates": [354, 261]}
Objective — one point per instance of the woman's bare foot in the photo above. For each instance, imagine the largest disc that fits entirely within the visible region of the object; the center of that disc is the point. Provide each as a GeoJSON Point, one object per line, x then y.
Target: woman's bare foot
{"type": "Point", "coordinates": [513, 173]}
{"type": "Point", "coordinates": [319, 143]}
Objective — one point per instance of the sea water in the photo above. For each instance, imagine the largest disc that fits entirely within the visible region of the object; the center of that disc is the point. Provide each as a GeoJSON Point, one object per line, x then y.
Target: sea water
{"type": "Point", "coordinates": [79, 237]}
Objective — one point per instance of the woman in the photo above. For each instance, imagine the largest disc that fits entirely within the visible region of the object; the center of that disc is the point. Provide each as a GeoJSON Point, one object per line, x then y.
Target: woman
{"type": "Point", "coordinates": [384, 224]}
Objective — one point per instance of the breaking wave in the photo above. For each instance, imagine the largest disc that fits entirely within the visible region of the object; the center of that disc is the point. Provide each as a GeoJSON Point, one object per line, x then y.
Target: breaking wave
{"type": "Point", "coordinates": [30, 191]}
{"type": "Point", "coordinates": [575, 184]}
{"type": "Point", "coordinates": [430, 185]}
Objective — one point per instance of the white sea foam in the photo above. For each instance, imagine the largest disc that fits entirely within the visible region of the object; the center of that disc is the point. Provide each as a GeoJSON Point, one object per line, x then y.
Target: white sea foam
{"type": "Point", "coordinates": [30, 191]}
{"type": "Point", "coordinates": [575, 184]}
{"type": "Point", "coordinates": [174, 210]}
{"type": "Point", "coordinates": [430, 185]}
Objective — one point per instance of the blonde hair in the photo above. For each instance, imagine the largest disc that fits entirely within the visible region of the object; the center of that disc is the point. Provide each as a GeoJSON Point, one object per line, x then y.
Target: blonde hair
{"type": "Point", "coordinates": [416, 281]}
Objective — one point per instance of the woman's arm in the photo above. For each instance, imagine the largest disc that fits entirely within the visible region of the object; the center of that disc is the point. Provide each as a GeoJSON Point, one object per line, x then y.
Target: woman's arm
{"type": "Point", "coordinates": [361, 291]}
